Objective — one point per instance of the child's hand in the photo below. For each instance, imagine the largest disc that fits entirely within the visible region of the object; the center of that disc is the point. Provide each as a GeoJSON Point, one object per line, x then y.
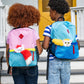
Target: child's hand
{"type": "Point", "coordinates": [10, 71]}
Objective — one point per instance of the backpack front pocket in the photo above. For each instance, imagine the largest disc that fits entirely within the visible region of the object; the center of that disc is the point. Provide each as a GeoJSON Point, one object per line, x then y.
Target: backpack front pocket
{"type": "Point", "coordinates": [70, 52]}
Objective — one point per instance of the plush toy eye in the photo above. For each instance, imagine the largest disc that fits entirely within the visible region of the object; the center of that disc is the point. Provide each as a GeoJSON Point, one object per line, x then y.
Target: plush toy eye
{"type": "Point", "coordinates": [68, 43]}
{"type": "Point", "coordinates": [65, 42]}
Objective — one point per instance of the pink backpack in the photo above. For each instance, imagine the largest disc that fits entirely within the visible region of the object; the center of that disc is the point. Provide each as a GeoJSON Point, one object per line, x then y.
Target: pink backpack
{"type": "Point", "coordinates": [22, 42]}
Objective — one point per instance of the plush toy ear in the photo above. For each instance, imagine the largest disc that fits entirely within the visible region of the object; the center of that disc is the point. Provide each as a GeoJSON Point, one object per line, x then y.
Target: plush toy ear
{"type": "Point", "coordinates": [27, 56]}
{"type": "Point", "coordinates": [70, 41]}
{"type": "Point", "coordinates": [19, 48]}
{"type": "Point", "coordinates": [64, 42]}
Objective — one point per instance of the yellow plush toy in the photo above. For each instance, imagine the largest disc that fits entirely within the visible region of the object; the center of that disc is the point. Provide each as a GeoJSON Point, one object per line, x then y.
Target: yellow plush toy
{"type": "Point", "coordinates": [65, 42]}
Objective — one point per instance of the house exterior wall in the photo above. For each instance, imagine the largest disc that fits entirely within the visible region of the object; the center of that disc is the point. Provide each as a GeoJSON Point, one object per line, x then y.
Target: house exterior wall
{"type": "Point", "coordinates": [4, 26]}
{"type": "Point", "coordinates": [26, 2]}
{"type": "Point", "coordinates": [80, 3]}
{"type": "Point", "coordinates": [38, 5]}
{"type": "Point", "coordinates": [8, 3]}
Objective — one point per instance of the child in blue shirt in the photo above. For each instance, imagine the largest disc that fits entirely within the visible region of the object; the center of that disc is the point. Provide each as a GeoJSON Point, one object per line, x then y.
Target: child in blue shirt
{"type": "Point", "coordinates": [59, 69]}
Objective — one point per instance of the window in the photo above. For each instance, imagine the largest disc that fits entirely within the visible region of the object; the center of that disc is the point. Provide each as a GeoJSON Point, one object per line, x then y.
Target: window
{"type": "Point", "coordinates": [45, 7]}
{"type": "Point", "coordinates": [70, 2]}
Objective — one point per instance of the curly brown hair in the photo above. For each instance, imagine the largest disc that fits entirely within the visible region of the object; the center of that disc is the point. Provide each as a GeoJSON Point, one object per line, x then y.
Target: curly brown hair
{"type": "Point", "coordinates": [20, 15]}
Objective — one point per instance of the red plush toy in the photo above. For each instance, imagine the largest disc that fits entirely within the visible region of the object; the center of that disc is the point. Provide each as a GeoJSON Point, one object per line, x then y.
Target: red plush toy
{"type": "Point", "coordinates": [26, 53]}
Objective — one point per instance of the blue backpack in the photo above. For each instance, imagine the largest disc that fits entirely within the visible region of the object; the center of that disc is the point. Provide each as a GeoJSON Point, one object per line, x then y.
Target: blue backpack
{"type": "Point", "coordinates": [64, 44]}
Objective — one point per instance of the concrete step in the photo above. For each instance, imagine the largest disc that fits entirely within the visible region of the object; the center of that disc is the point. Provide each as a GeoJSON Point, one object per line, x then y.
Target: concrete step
{"type": "Point", "coordinates": [44, 59]}
{"type": "Point", "coordinates": [43, 72]}
{"type": "Point", "coordinates": [81, 52]}
{"type": "Point", "coordinates": [44, 53]}
{"type": "Point", "coordinates": [75, 77]}
{"type": "Point", "coordinates": [9, 80]}
{"type": "Point", "coordinates": [81, 43]}
{"type": "Point", "coordinates": [6, 78]}
{"type": "Point", "coordinates": [77, 68]}
{"type": "Point", "coordinates": [42, 64]}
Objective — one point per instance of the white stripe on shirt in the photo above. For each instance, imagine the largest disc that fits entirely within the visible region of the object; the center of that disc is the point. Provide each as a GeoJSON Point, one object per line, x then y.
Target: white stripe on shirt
{"type": "Point", "coordinates": [46, 34]}
{"type": "Point", "coordinates": [47, 31]}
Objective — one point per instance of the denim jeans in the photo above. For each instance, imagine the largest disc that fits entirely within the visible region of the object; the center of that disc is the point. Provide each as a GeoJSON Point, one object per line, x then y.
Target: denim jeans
{"type": "Point", "coordinates": [59, 71]}
{"type": "Point", "coordinates": [25, 75]}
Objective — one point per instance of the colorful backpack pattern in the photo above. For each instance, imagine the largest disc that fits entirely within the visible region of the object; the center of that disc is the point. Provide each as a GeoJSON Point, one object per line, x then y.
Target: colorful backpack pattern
{"type": "Point", "coordinates": [23, 52]}
{"type": "Point", "coordinates": [64, 44]}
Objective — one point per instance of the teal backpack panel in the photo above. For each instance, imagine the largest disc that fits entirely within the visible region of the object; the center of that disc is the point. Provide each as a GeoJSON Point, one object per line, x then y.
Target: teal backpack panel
{"type": "Point", "coordinates": [59, 30]}
{"type": "Point", "coordinates": [64, 30]}
{"type": "Point", "coordinates": [17, 59]}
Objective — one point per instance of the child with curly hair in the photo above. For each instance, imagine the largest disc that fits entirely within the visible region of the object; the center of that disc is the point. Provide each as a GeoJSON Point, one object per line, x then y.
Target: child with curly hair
{"type": "Point", "coordinates": [59, 69]}
{"type": "Point", "coordinates": [21, 44]}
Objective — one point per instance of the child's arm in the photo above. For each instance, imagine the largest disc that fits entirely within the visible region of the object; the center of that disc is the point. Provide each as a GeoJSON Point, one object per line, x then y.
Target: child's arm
{"type": "Point", "coordinates": [39, 46]}
{"type": "Point", "coordinates": [7, 58]}
{"type": "Point", "coordinates": [46, 41]}
{"type": "Point", "coordinates": [78, 44]}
